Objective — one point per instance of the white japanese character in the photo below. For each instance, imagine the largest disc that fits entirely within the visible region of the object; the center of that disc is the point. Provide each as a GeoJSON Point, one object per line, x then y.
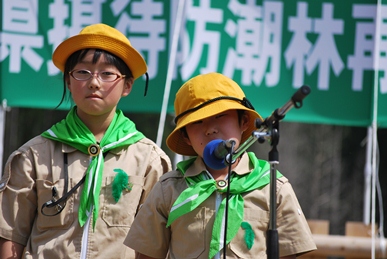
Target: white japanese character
{"type": "Point", "coordinates": [20, 16]}
{"type": "Point", "coordinates": [83, 13]}
{"type": "Point", "coordinates": [271, 44]}
{"type": "Point", "coordinates": [299, 45]}
{"type": "Point", "coordinates": [202, 37]}
{"type": "Point", "coordinates": [147, 28]}
{"type": "Point", "coordinates": [20, 24]}
{"type": "Point", "coordinates": [247, 33]}
{"type": "Point", "coordinates": [361, 61]}
{"type": "Point", "coordinates": [324, 53]}
{"type": "Point", "coordinates": [59, 12]}
{"type": "Point", "coordinates": [258, 41]}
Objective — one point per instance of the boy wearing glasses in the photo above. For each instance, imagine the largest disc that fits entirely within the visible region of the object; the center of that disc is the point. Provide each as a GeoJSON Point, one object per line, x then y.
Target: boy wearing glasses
{"type": "Point", "coordinates": [73, 191]}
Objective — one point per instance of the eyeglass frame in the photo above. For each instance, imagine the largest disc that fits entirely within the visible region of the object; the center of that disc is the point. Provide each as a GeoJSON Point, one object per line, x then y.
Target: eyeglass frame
{"type": "Point", "coordinates": [71, 73]}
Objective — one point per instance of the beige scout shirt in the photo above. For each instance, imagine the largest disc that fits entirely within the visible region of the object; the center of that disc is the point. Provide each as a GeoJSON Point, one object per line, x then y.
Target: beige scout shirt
{"type": "Point", "coordinates": [189, 236]}
{"type": "Point", "coordinates": [34, 169]}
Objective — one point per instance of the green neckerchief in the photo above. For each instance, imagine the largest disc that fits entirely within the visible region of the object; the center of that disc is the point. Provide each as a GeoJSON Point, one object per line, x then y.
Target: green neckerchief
{"type": "Point", "coordinates": [200, 189]}
{"type": "Point", "coordinates": [73, 132]}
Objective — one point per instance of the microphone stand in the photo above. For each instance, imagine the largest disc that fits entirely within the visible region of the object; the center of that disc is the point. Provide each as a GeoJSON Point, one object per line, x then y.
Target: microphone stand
{"type": "Point", "coordinates": [272, 249]}
{"type": "Point", "coordinates": [231, 150]}
{"type": "Point", "coordinates": [269, 129]}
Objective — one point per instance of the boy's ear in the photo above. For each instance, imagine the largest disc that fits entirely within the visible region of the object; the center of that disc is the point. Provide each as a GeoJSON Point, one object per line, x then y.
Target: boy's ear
{"type": "Point", "coordinates": [245, 121]}
{"type": "Point", "coordinates": [67, 80]}
{"type": "Point", "coordinates": [68, 83]}
{"type": "Point", "coordinates": [185, 137]}
{"type": "Point", "coordinates": [128, 87]}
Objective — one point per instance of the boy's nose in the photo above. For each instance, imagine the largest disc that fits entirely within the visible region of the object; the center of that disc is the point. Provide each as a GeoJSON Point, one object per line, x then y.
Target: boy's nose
{"type": "Point", "coordinates": [211, 128]}
{"type": "Point", "coordinates": [94, 83]}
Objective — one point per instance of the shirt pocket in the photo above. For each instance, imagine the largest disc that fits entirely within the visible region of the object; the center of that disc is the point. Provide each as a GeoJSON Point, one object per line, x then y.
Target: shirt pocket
{"type": "Point", "coordinates": [122, 212]}
{"type": "Point", "coordinates": [66, 217]}
{"type": "Point", "coordinates": [190, 229]}
{"type": "Point", "coordinates": [259, 222]}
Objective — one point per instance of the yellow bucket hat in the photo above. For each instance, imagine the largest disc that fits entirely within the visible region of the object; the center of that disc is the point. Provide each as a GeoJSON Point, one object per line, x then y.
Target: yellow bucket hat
{"type": "Point", "coordinates": [204, 96]}
{"type": "Point", "coordinates": [101, 36]}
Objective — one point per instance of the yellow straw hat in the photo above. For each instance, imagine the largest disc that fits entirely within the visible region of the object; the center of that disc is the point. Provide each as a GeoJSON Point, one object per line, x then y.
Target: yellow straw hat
{"type": "Point", "coordinates": [101, 36]}
{"type": "Point", "coordinates": [204, 96]}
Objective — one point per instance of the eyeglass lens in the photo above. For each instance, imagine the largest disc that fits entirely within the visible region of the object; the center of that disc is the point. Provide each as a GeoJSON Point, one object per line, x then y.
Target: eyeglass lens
{"type": "Point", "coordinates": [86, 75]}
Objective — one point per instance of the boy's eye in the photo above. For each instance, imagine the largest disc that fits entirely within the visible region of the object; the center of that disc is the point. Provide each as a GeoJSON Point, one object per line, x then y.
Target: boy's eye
{"type": "Point", "coordinates": [107, 73]}
{"type": "Point", "coordinates": [81, 72]}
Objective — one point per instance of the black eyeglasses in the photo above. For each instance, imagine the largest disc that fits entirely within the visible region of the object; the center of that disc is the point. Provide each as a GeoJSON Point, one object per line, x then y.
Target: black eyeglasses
{"type": "Point", "coordinates": [104, 76]}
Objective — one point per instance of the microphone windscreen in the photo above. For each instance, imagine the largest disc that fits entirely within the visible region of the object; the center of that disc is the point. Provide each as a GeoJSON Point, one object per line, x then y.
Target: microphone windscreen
{"type": "Point", "coordinates": [209, 155]}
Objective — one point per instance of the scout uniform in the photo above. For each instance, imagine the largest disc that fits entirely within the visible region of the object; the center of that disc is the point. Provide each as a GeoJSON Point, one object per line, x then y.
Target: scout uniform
{"type": "Point", "coordinates": [65, 195]}
{"type": "Point", "coordinates": [184, 215]}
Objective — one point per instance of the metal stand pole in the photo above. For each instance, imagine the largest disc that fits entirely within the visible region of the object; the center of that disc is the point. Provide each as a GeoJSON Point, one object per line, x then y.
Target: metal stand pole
{"type": "Point", "coordinates": [272, 249]}
{"type": "Point", "coordinates": [269, 129]}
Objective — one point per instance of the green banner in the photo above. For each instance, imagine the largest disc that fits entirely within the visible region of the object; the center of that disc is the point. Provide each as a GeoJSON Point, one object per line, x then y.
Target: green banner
{"type": "Point", "coordinates": [271, 48]}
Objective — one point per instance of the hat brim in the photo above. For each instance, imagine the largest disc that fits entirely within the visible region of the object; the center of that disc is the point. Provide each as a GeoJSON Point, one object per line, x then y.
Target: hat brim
{"type": "Point", "coordinates": [128, 54]}
{"type": "Point", "coordinates": [175, 140]}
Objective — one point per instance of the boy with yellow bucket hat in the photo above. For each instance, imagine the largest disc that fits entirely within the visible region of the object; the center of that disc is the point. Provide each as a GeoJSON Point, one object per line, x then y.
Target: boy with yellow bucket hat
{"type": "Point", "coordinates": [183, 216]}
{"type": "Point", "coordinates": [73, 191]}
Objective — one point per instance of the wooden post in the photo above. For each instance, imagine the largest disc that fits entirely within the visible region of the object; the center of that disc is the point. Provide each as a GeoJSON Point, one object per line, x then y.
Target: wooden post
{"type": "Point", "coordinates": [358, 229]}
{"type": "Point", "coordinates": [356, 244]}
{"type": "Point", "coordinates": [346, 246]}
{"type": "Point", "coordinates": [317, 227]}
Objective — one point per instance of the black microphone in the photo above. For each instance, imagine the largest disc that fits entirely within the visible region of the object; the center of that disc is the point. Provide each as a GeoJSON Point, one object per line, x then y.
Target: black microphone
{"type": "Point", "coordinates": [216, 152]}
